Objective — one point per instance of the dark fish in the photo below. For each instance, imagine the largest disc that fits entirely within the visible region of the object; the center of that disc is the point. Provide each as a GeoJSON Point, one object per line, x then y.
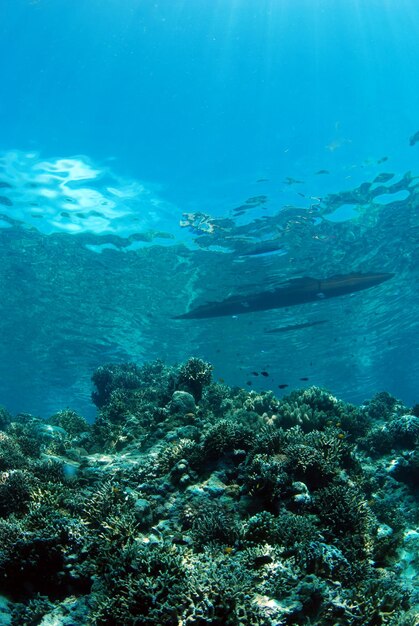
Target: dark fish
{"type": "Point", "coordinates": [262, 559]}
{"type": "Point", "coordinates": [255, 373]}
{"type": "Point", "coordinates": [250, 203]}
{"type": "Point", "coordinates": [414, 139]}
{"type": "Point", "coordinates": [292, 181]}
{"type": "Point", "coordinates": [266, 374]}
{"type": "Point", "coordinates": [323, 172]}
{"type": "Point", "coordinates": [266, 247]}
{"type": "Point", "coordinates": [383, 178]}
{"type": "Point", "coordinates": [304, 378]}
{"type": "Point", "coordinates": [383, 159]}
{"type": "Point", "coordinates": [249, 382]}
{"type": "Point", "coordinates": [283, 386]}
{"type": "Point", "coordinates": [262, 180]}
{"type": "Point", "coordinates": [291, 292]}
{"type": "Point", "coordinates": [284, 329]}
{"type": "Point", "coordinates": [5, 201]}
{"type": "Point", "coordinates": [256, 200]}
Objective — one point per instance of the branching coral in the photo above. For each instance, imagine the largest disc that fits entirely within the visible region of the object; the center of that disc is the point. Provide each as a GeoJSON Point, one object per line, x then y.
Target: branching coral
{"type": "Point", "coordinates": [193, 376]}
{"type": "Point", "coordinates": [226, 436]}
{"type": "Point", "coordinates": [107, 378]}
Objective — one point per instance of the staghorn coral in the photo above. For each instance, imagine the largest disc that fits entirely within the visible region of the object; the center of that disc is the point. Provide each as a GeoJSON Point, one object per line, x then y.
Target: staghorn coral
{"type": "Point", "coordinates": [226, 436]}
{"type": "Point", "coordinates": [266, 477]}
{"type": "Point", "coordinates": [72, 423]}
{"type": "Point", "coordinates": [5, 418]}
{"type": "Point", "coordinates": [11, 455]}
{"type": "Point", "coordinates": [346, 516]}
{"type": "Point", "coordinates": [214, 522]}
{"type": "Point", "coordinates": [311, 408]}
{"type": "Point", "coordinates": [31, 613]}
{"type": "Point", "coordinates": [184, 449]}
{"type": "Point", "coordinates": [261, 403]}
{"type": "Point", "coordinates": [315, 458]}
{"type": "Point", "coordinates": [217, 399]}
{"type": "Point", "coordinates": [194, 376]}
{"type": "Point", "coordinates": [108, 378]}
{"type": "Point", "coordinates": [404, 430]}
{"type": "Point", "coordinates": [15, 491]}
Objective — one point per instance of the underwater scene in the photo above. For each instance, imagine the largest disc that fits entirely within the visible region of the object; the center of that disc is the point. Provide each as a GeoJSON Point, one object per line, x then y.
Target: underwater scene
{"type": "Point", "coordinates": [209, 355]}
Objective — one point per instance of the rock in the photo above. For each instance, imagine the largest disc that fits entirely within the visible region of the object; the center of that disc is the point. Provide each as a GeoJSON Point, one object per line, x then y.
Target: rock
{"type": "Point", "coordinates": [182, 402]}
{"type": "Point", "coordinates": [142, 511]}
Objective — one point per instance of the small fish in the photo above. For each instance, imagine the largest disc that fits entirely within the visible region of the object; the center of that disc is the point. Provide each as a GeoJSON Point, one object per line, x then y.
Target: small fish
{"type": "Point", "coordinates": [292, 181]}
{"type": "Point", "coordinates": [283, 386]}
{"type": "Point", "coordinates": [264, 248]}
{"type": "Point", "coordinates": [414, 139]}
{"type": "Point", "coordinates": [384, 158]}
{"type": "Point", "coordinates": [249, 382]}
{"type": "Point", "coordinates": [255, 373]}
{"type": "Point", "coordinates": [262, 180]}
{"type": "Point", "coordinates": [322, 172]}
{"type": "Point", "coordinates": [264, 373]}
{"type": "Point", "coordinates": [304, 378]}
{"type": "Point", "coordinates": [284, 329]}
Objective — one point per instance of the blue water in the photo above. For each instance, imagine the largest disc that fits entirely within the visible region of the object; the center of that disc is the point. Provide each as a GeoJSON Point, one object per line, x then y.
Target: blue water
{"type": "Point", "coordinates": [117, 117]}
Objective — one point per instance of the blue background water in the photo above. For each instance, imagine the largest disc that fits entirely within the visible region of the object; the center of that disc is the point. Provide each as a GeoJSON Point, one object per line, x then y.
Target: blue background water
{"type": "Point", "coordinates": [198, 99]}
{"type": "Point", "coordinates": [199, 96]}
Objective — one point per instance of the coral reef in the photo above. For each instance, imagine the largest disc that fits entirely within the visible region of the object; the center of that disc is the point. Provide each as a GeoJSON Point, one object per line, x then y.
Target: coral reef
{"type": "Point", "coordinates": [189, 502]}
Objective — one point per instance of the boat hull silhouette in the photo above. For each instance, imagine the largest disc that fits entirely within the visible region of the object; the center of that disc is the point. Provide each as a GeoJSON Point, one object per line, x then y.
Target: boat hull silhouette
{"type": "Point", "coordinates": [291, 292]}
